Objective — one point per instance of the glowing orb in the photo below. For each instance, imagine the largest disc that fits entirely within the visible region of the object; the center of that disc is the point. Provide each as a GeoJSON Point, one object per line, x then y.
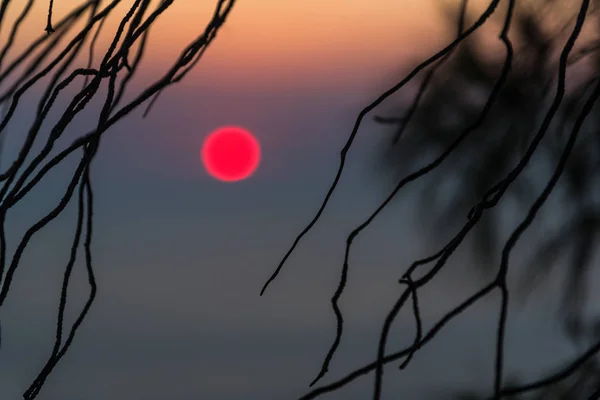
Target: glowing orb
{"type": "Point", "coordinates": [230, 154]}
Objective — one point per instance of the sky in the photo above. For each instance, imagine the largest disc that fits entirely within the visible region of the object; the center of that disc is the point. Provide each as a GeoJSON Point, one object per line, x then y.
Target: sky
{"type": "Point", "coordinates": [180, 258]}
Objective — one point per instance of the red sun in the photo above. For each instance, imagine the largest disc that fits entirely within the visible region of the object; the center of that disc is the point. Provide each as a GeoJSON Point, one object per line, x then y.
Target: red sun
{"type": "Point", "coordinates": [231, 154]}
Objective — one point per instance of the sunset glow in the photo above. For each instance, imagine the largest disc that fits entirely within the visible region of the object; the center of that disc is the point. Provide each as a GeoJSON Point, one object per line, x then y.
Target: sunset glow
{"type": "Point", "coordinates": [231, 154]}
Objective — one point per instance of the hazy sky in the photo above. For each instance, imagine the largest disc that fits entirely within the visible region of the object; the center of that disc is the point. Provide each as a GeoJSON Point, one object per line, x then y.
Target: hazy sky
{"type": "Point", "coordinates": [180, 258]}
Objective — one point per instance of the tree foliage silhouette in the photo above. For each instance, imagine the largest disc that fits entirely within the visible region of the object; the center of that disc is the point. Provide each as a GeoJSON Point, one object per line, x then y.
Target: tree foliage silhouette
{"type": "Point", "coordinates": [488, 147]}
{"type": "Point", "coordinates": [37, 62]}
{"type": "Point", "coordinates": [500, 144]}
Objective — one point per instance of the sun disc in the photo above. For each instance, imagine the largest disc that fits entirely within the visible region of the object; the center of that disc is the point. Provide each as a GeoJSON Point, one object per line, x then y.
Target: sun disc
{"type": "Point", "coordinates": [231, 154]}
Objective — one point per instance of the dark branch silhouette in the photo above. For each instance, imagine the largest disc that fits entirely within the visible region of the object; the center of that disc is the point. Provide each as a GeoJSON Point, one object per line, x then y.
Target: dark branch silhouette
{"type": "Point", "coordinates": [488, 12]}
{"type": "Point", "coordinates": [20, 176]}
{"type": "Point", "coordinates": [49, 29]}
{"type": "Point", "coordinates": [516, 91]}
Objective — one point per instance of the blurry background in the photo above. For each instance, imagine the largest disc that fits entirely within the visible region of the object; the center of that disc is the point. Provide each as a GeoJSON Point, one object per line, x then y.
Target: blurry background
{"type": "Point", "coordinates": [180, 258]}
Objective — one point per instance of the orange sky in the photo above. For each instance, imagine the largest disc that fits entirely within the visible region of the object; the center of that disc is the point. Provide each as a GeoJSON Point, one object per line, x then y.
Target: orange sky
{"type": "Point", "coordinates": [310, 41]}
{"type": "Point", "coordinates": [272, 41]}
{"type": "Point", "coordinates": [300, 44]}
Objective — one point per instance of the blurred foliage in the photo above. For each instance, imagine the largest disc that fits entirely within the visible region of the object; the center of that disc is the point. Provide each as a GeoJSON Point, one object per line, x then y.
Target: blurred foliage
{"type": "Point", "coordinates": [578, 386]}
{"type": "Point", "coordinates": [452, 101]}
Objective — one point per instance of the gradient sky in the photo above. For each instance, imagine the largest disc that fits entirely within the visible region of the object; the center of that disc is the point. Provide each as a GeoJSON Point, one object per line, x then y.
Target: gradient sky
{"type": "Point", "coordinates": [180, 258]}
